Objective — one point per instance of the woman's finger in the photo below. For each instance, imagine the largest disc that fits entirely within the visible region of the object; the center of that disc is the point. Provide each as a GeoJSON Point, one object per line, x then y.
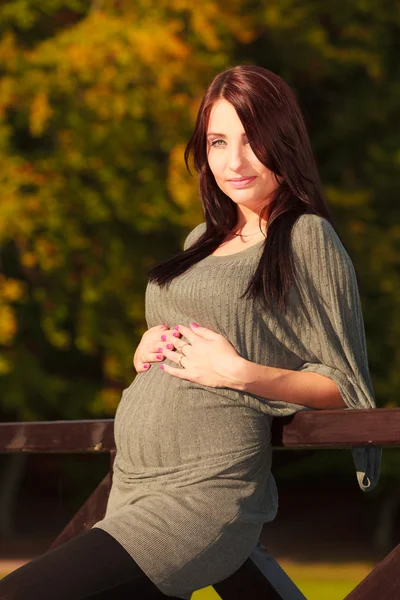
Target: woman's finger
{"type": "Point", "coordinates": [172, 355]}
{"type": "Point", "coordinates": [170, 336]}
{"type": "Point", "coordinates": [157, 355]}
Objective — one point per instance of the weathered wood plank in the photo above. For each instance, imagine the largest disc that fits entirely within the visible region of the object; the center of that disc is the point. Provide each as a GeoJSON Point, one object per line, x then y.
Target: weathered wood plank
{"type": "Point", "coordinates": [310, 429]}
{"type": "Point", "coordinates": [58, 436]}
{"type": "Point", "coordinates": [274, 573]}
{"type": "Point", "coordinates": [247, 582]}
{"type": "Point", "coordinates": [338, 429]}
{"type": "Point", "coordinates": [92, 511]}
{"type": "Point", "coordinates": [383, 583]}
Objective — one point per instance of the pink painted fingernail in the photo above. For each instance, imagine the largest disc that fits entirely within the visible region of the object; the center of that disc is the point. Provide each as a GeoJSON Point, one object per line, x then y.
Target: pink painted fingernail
{"type": "Point", "coordinates": [146, 366]}
{"type": "Point", "coordinates": [194, 324]}
{"type": "Point", "coordinates": [159, 349]}
{"type": "Point", "coordinates": [176, 327]}
{"type": "Point", "coordinates": [159, 356]}
{"type": "Point", "coordinates": [164, 337]}
{"type": "Point", "coordinates": [170, 346]}
{"type": "Point", "coordinates": [176, 334]}
{"type": "Point", "coordinates": [162, 367]}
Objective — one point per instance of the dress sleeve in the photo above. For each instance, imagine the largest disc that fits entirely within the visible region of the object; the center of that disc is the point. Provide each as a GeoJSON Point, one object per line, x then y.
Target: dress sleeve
{"type": "Point", "coordinates": [333, 335]}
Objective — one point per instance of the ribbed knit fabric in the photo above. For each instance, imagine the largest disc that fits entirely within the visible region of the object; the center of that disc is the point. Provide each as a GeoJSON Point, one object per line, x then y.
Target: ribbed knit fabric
{"type": "Point", "coordinates": [192, 484]}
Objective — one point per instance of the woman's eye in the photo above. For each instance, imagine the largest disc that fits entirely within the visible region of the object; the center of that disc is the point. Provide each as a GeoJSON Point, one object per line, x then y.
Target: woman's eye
{"type": "Point", "coordinates": [215, 142]}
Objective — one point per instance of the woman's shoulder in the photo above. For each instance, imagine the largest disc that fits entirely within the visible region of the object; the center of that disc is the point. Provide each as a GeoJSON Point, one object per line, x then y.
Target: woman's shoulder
{"type": "Point", "coordinates": [310, 222]}
{"type": "Point", "coordinates": [194, 235]}
{"type": "Point", "coordinates": [316, 245]}
{"type": "Point", "coordinates": [312, 232]}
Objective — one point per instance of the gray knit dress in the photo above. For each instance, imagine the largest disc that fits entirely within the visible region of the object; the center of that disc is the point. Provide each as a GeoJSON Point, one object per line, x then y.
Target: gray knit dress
{"type": "Point", "coordinates": [192, 483]}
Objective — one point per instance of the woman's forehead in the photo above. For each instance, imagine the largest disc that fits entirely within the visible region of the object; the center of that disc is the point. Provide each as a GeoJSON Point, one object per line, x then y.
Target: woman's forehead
{"type": "Point", "coordinates": [224, 119]}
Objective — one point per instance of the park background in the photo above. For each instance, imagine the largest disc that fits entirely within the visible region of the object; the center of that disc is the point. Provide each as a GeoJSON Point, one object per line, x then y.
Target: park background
{"type": "Point", "coordinates": [97, 102]}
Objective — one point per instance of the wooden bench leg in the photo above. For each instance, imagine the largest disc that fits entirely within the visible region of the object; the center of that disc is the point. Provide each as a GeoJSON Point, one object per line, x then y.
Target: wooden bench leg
{"type": "Point", "coordinates": [278, 578]}
{"type": "Point", "coordinates": [259, 578]}
{"type": "Point", "coordinates": [92, 511]}
{"type": "Point", "coordinates": [383, 583]}
{"type": "Point", "coordinates": [247, 582]}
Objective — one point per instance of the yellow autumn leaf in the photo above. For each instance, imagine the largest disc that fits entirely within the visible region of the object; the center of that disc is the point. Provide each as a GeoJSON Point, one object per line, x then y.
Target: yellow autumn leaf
{"type": "Point", "coordinates": [111, 366]}
{"type": "Point", "coordinates": [28, 259]}
{"type": "Point", "coordinates": [8, 325]}
{"type": "Point", "coordinates": [11, 289]}
{"type": "Point", "coordinates": [107, 400]}
{"type": "Point", "coordinates": [5, 366]}
{"type": "Point", "coordinates": [40, 114]}
{"type": "Point", "coordinates": [181, 186]}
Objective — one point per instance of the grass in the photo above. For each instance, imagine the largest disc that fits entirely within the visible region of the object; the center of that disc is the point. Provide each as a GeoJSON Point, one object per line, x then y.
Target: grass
{"type": "Point", "coordinates": [326, 580]}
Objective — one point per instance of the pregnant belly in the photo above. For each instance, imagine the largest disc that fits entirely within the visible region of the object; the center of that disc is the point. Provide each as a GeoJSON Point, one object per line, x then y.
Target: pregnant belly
{"type": "Point", "coordinates": [164, 421]}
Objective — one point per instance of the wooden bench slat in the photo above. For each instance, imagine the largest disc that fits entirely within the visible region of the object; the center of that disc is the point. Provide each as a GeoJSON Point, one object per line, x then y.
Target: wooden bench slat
{"type": "Point", "coordinates": [304, 430]}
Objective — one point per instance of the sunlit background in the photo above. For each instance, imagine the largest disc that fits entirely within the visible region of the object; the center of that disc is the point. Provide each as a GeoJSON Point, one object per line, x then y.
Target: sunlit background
{"type": "Point", "coordinates": [97, 101]}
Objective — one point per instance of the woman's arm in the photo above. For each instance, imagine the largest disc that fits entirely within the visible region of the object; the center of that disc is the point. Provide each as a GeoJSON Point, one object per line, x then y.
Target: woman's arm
{"type": "Point", "coordinates": [299, 387]}
{"type": "Point", "coordinates": [332, 345]}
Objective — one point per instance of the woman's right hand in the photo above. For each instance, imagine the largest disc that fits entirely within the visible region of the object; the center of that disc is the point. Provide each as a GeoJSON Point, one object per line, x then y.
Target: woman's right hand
{"type": "Point", "coordinates": [151, 346]}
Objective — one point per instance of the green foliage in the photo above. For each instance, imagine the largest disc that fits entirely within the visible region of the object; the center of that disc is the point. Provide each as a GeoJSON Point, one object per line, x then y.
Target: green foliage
{"type": "Point", "coordinates": [97, 101]}
{"type": "Point", "coordinates": [91, 129]}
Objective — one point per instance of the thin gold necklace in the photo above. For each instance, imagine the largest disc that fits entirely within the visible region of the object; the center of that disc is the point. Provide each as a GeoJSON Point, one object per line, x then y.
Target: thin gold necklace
{"type": "Point", "coordinates": [248, 234]}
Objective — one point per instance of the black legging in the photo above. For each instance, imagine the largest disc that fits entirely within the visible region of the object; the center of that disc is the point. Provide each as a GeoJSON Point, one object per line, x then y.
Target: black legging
{"type": "Point", "coordinates": [90, 566]}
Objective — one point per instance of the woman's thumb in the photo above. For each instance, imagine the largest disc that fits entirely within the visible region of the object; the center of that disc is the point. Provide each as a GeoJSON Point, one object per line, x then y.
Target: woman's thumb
{"type": "Point", "coordinates": [203, 332]}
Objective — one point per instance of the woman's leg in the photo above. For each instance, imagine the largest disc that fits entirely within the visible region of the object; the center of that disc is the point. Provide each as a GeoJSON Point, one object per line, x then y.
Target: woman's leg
{"type": "Point", "coordinates": [92, 565]}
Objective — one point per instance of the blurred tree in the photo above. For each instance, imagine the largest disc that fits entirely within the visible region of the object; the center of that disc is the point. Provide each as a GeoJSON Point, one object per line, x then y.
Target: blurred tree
{"type": "Point", "coordinates": [93, 114]}
{"type": "Point", "coordinates": [97, 102]}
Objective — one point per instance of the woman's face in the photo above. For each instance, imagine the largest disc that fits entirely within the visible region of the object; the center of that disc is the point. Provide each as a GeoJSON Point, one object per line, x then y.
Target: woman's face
{"type": "Point", "coordinates": [231, 157]}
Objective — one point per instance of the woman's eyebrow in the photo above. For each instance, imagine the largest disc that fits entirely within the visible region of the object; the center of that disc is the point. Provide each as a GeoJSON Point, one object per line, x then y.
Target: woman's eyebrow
{"type": "Point", "coordinates": [221, 134]}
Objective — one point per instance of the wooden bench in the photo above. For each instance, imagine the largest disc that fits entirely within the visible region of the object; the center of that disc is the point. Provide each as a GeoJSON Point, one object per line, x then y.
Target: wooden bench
{"type": "Point", "coordinates": [260, 577]}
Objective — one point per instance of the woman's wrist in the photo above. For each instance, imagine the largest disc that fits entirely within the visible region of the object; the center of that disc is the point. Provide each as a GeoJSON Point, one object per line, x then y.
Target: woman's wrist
{"type": "Point", "coordinates": [236, 373]}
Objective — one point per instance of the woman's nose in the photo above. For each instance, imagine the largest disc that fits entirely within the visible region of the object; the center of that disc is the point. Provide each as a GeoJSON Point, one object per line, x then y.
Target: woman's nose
{"type": "Point", "coordinates": [236, 159]}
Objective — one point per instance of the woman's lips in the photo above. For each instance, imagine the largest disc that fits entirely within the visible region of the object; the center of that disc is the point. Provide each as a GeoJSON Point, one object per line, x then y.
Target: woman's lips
{"type": "Point", "coordinates": [241, 183]}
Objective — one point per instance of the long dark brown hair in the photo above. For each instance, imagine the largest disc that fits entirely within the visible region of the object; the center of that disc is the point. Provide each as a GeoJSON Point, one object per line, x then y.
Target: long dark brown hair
{"type": "Point", "coordinates": [277, 134]}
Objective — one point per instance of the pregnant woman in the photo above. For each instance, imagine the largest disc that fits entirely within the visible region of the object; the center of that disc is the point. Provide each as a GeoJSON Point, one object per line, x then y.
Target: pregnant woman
{"type": "Point", "coordinates": [258, 317]}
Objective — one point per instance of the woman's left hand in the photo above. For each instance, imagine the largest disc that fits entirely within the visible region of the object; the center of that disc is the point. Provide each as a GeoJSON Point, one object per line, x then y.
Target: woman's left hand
{"type": "Point", "coordinates": [208, 359]}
